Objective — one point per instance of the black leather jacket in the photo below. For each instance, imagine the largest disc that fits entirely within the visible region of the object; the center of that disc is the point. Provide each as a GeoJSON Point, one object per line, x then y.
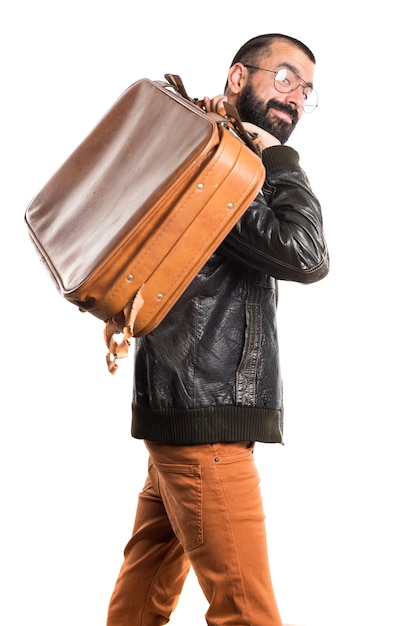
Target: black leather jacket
{"type": "Point", "coordinates": [210, 371]}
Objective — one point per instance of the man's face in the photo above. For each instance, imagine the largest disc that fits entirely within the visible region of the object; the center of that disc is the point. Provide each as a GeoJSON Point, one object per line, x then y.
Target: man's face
{"type": "Point", "coordinates": [260, 103]}
{"type": "Point", "coordinates": [264, 115]}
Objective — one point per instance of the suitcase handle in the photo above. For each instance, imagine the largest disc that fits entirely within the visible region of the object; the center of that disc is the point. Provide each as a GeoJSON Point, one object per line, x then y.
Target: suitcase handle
{"type": "Point", "coordinates": [175, 81]}
{"type": "Point", "coordinates": [231, 119]}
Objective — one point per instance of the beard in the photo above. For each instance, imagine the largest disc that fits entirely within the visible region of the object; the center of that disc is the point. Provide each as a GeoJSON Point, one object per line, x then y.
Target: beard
{"type": "Point", "coordinates": [253, 110]}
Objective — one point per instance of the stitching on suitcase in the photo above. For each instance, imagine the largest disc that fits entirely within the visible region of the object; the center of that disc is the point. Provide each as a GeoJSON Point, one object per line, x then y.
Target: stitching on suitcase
{"type": "Point", "coordinates": [181, 208]}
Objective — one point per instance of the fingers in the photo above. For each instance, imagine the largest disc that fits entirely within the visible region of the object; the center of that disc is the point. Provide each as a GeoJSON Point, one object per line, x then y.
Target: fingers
{"type": "Point", "coordinates": [215, 105]}
{"type": "Point", "coordinates": [265, 139]}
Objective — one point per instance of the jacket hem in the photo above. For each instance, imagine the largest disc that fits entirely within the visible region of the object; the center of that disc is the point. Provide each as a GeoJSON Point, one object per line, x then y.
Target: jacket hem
{"type": "Point", "coordinates": [215, 424]}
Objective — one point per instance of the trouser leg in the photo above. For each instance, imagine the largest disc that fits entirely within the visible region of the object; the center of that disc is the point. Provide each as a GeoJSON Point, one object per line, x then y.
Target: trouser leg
{"type": "Point", "coordinates": [212, 497]}
{"type": "Point", "coordinates": [154, 569]}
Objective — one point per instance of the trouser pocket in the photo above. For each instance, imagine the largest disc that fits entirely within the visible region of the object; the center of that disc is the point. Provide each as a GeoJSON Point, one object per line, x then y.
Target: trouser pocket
{"type": "Point", "coordinates": [180, 487]}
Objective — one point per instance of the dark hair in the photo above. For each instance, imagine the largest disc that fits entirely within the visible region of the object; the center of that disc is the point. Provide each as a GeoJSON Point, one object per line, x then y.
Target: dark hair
{"type": "Point", "coordinates": [251, 51]}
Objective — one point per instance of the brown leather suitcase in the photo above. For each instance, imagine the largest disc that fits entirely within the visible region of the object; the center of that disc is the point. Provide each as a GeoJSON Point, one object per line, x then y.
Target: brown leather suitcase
{"type": "Point", "coordinates": [136, 210]}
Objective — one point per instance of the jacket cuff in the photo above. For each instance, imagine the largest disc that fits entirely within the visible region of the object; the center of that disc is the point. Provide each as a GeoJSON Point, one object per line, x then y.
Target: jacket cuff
{"type": "Point", "coordinates": [280, 158]}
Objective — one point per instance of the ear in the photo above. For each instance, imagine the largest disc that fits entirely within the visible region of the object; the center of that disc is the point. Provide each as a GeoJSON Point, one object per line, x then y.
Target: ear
{"type": "Point", "coordinates": [237, 78]}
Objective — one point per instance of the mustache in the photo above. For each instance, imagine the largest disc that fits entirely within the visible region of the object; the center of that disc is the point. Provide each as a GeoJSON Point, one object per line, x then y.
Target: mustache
{"type": "Point", "coordinates": [281, 106]}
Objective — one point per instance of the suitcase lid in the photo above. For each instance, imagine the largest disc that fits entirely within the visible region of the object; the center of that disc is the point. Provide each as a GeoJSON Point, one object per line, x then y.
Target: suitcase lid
{"type": "Point", "coordinates": [140, 151]}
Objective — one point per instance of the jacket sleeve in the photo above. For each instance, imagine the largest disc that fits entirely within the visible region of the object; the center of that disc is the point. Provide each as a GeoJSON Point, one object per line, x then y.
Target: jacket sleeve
{"type": "Point", "coordinates": [281, 232]}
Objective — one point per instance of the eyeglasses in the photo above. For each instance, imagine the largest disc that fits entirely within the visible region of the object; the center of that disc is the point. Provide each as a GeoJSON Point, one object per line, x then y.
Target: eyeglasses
{"type": "Point", "coordinates": [286, 81]}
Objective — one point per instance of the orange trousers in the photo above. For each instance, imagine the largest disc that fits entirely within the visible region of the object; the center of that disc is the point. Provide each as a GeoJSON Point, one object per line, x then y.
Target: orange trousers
{"type": "Point", "coordinates": [200, 506]}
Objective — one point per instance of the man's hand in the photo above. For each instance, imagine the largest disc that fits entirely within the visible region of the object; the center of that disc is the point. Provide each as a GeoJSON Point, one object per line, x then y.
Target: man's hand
{"type": "Point", "coordinates": [266, 139]}
{"type": "Point", "coordinates": [215, 105]}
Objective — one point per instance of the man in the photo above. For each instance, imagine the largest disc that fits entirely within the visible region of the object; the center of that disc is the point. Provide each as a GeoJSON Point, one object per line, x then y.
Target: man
{"type": "Point", "coordinates": [207, 379]}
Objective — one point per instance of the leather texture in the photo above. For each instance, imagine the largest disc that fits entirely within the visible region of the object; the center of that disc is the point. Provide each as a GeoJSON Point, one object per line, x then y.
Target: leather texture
{"type": "Point", "coordinates": [141, 204]}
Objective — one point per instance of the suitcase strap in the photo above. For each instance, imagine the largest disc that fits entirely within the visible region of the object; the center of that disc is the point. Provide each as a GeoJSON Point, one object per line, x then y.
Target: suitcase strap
{"type": "Point", "coordinates": [119, 350]}
{"type": "Point", "coordinates": [229, 116]}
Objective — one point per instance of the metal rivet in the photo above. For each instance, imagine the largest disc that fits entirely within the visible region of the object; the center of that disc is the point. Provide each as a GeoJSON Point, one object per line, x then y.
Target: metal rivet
{"type": "Point", "coordinates": [229, 205]}
{"type": "Point", "coordinates": [160, 296]}
{"type": "Point", "coordinates": [200, 186]}
{"type": "Point", "coordinates": [129, 277]}
{"type": "Point", "coordinates": [216, 459]}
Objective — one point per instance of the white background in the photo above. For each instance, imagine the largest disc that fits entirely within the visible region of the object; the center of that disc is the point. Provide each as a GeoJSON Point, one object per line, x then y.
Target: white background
{"type": "Point", "coordinates": [340, 496]}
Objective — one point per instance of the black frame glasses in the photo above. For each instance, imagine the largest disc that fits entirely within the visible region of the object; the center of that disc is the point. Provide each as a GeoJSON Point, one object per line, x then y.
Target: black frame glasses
{"type": "Point", "coordinates": [286, 81]}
